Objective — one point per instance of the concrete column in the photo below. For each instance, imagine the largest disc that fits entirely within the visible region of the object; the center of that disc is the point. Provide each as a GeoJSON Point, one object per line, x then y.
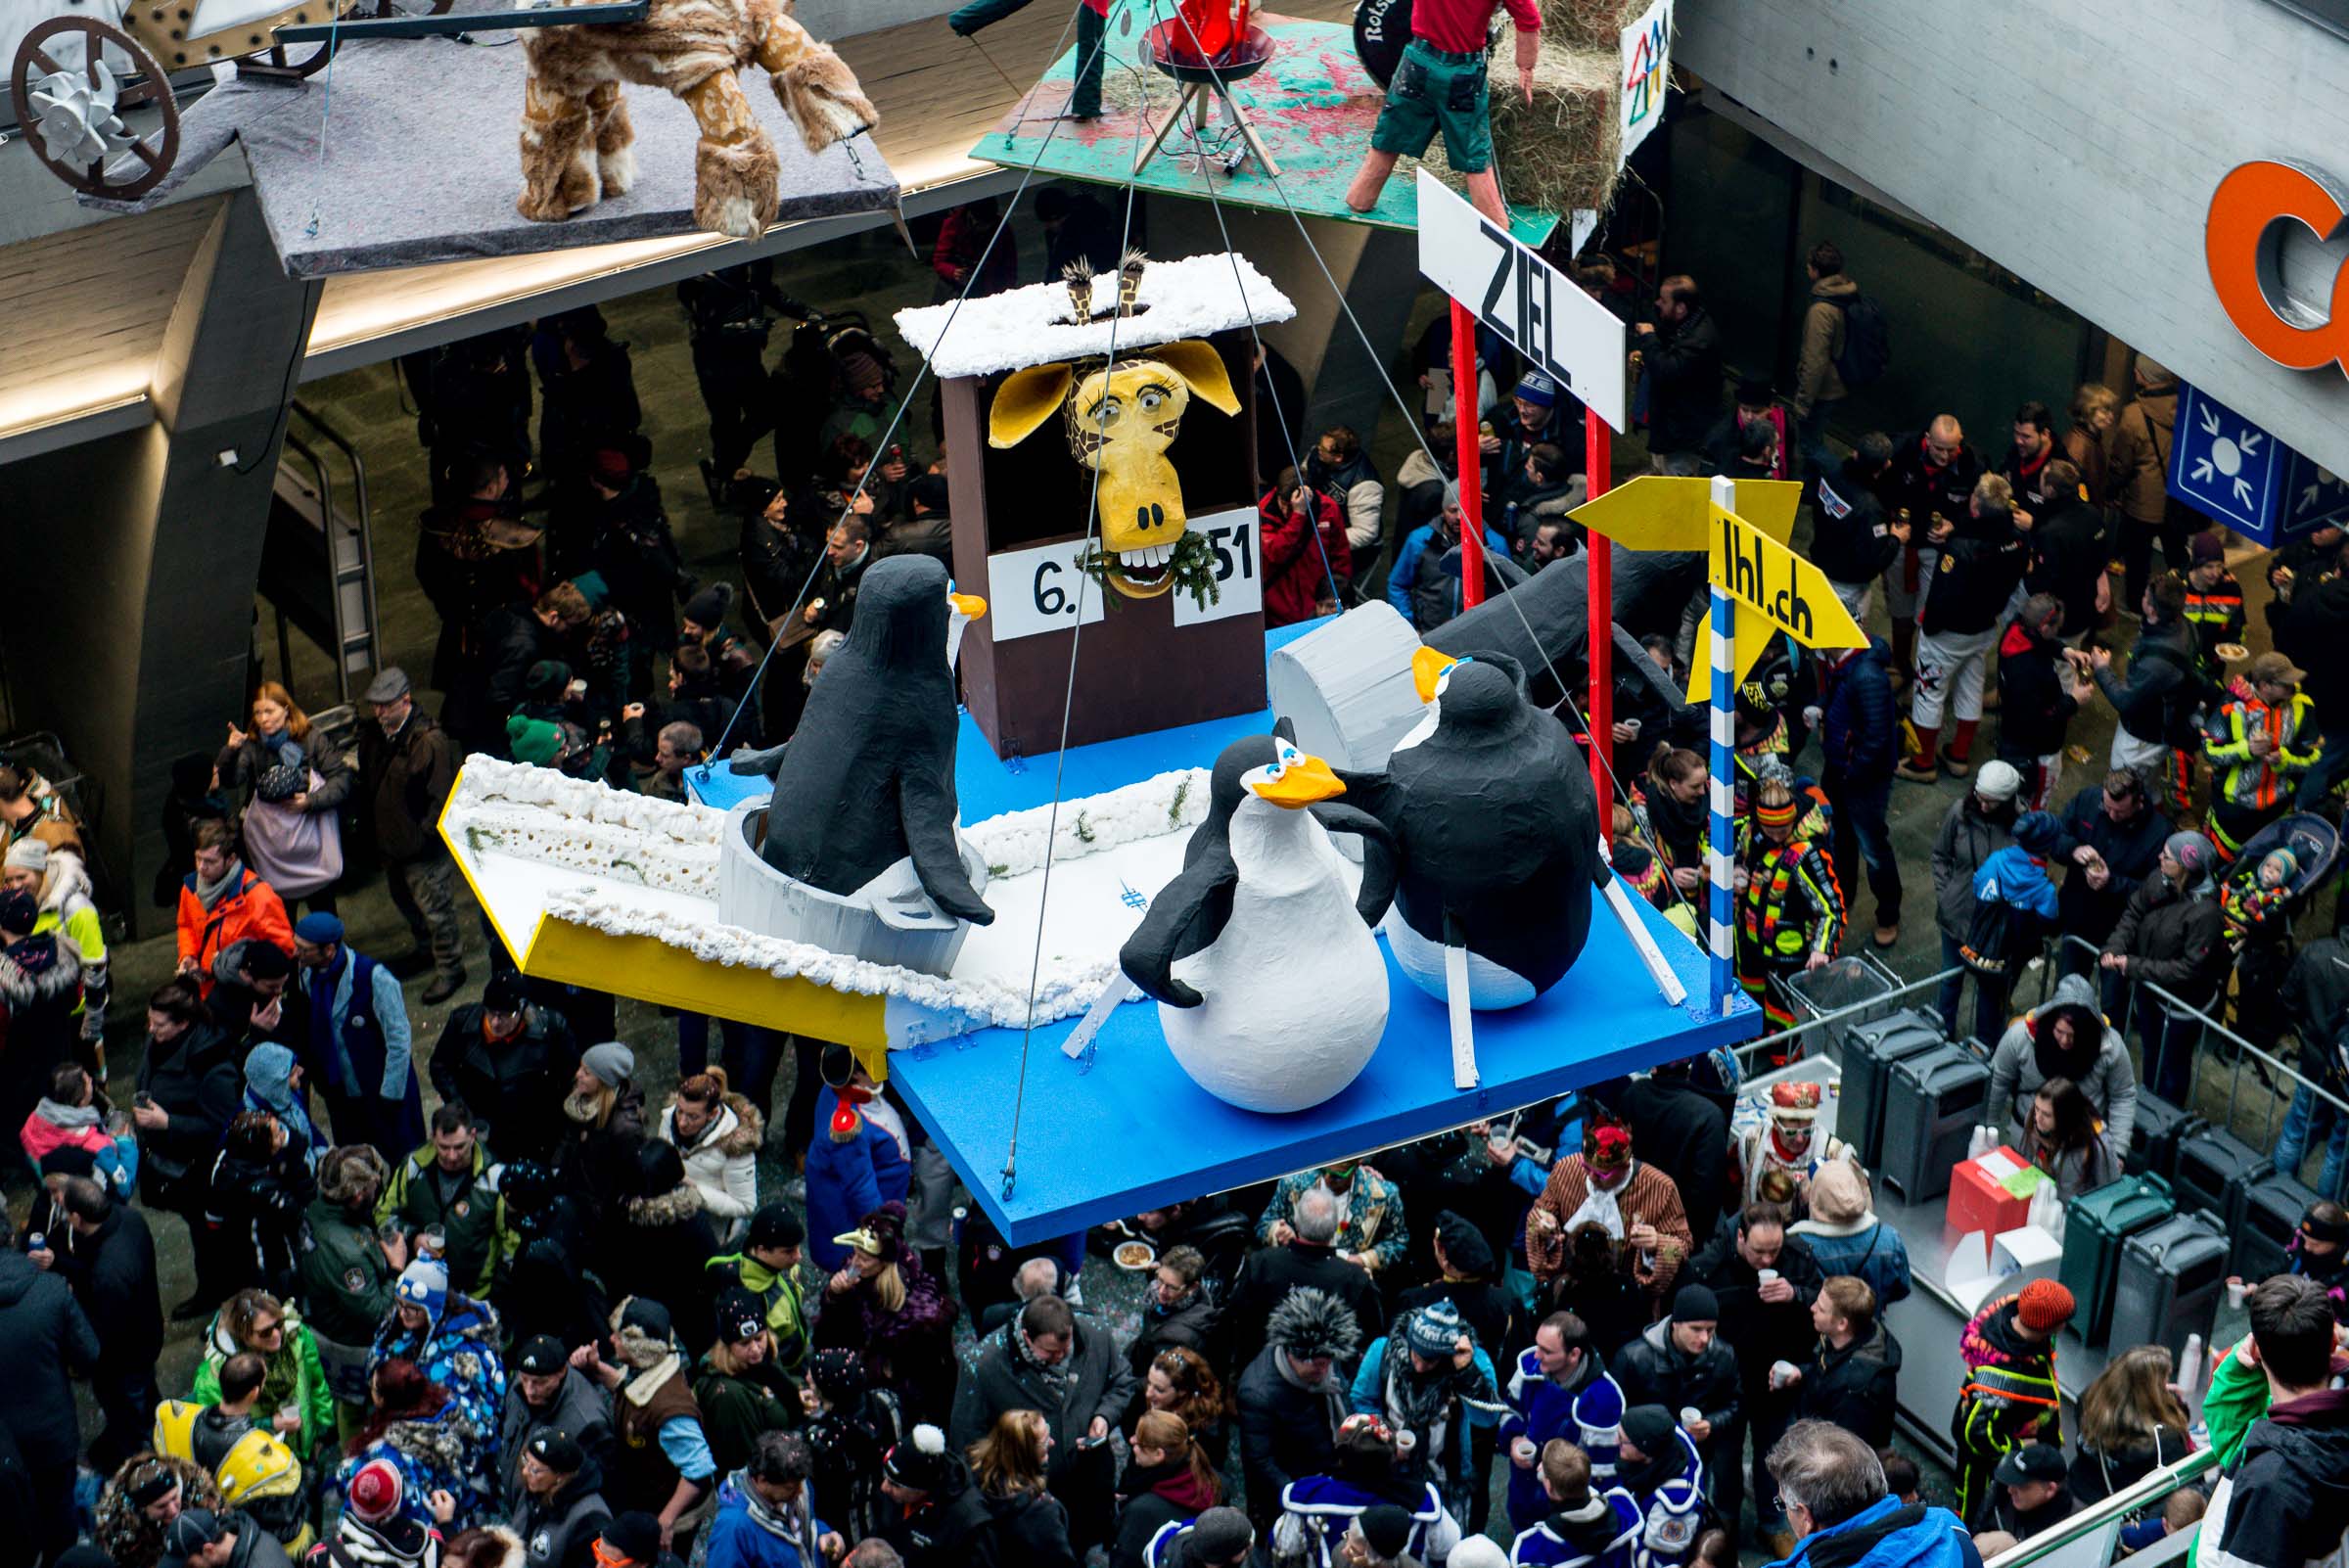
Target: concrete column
{"type": "Point", "coordinates": [134, 559]}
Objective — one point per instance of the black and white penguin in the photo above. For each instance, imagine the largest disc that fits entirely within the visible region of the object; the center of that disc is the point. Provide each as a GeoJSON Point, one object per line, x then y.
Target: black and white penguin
{"type": "Point", "coordinates": [1493, 815]}
{"type": "Point", "coordinates": [868, 778]}
{"type": "Point", "coordinates": [1271, 991]}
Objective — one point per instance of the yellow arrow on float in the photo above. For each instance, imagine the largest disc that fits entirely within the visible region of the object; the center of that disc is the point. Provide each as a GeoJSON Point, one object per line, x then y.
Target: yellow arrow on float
{"type": "Point", "coordinates": [1659, 512]}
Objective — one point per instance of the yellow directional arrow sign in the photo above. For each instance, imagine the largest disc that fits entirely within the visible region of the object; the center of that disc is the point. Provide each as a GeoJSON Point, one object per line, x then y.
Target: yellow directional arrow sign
{"type": "Point", "coordinates": [1755, 635]}
{"type": "Point", "coordinates": [1790, 592]}
{"type": "Point", "coordinates": [1655, 512]}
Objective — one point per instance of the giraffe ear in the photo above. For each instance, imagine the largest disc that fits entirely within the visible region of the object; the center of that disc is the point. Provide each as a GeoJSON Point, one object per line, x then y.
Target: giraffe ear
{"type": "Point", "coordinates": [1025, 400]}
{"type": "Point", "coordinates": [1202, 370]}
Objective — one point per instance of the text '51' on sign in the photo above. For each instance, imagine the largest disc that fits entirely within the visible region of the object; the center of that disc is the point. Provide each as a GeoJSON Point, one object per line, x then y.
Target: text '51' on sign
{"type": "Point", "coordinates": [1573, 338]}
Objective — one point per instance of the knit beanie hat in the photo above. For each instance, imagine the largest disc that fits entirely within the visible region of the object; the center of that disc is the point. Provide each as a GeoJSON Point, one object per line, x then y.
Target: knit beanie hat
{"type": "Point", "coordinates": [1538, 390]}
{"type": "Point", "coordinates": [634, 1536]}
{"type": "Point", "coordinates": [546, 682]}
{"type": "Point", "coordinates": [373, 1495]}
{"type": "Point", "coordinates": [2044, 1306]}
{"type": "Point", "coordinates": [319, 928]}
{"type": "Point", "coordinates": [1997, 781]}
{"type": "Point", "coordinates": [2192, 850]}
{"type": "Point", "coordinates": [920, 1461]}
{"type": "Point", "coordinates": [19, 914]}
{"type": "Point", "coordinates": [535, 742]}
{"type": "Point", "coordinates": [1386, 1529]}
{"type": "Point", "coordinates": [27, 855]}
{"type": "Point", "coordinates": [2036, 832]}
{"type": "Point", "coordinates": [1218, 1536]}
{"type": "Point", "coordinates": [425, 1283]}
{"type": "Point", "coordinates": [1650, 1427]}
{"type": "Point", "coordinates": [1478, 1552]}
{"type": "Point", "coordinates": [1434, 1330]}
{"type": "Point", "coordinates": [1695, 1304]}
{"type": "Point", "coordinates": [612, 1063]}
{"type": "Point", "coordinates": [557, 1451]}
{"type": "Point", "coordinates": [707, 608]}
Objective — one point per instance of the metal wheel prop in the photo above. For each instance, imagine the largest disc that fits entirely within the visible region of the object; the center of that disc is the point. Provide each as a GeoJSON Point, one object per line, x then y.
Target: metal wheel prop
{"type": "Point", "coordinates": [71, 110]}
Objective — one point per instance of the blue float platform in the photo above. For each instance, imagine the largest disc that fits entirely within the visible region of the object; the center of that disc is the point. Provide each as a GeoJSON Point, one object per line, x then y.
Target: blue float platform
{"type": "Point", "coordinates": [1124, 1128]}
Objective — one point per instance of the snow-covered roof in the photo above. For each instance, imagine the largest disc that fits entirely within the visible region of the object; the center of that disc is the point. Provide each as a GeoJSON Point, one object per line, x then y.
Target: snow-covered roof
{"type": "Point", "coordinates": [1191, 297]}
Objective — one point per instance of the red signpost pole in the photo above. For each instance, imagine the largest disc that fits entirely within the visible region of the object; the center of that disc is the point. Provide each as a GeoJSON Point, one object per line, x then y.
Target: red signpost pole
{"type": "Point", "coordinates": [1601, 588]}
{"type": "Point", "coordinates": [1465, 418]}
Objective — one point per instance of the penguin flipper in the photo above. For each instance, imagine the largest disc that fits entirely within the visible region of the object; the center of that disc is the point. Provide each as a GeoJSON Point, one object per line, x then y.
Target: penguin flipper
{"type": "Point", "coordinates": [1382, 867]}
{"type": "Point", "coordinates": [926, 816]}
{"type": "Point", "coordinates": [1187, 916]}
{"type": "Point", "coordinates": [747, 762]}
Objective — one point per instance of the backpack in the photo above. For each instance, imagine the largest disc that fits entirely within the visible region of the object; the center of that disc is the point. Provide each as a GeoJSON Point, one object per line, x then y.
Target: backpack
{"type": "Point", "coordinates": [1866, 342]}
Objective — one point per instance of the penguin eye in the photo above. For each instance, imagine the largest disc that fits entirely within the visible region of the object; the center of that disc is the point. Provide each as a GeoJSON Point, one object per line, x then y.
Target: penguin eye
{"type": "Point", "coordinates": [1288, 754]}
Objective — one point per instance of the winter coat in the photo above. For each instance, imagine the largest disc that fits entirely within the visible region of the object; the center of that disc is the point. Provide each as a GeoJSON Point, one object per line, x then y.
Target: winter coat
{"type": "Point", "coordinates": [597, 1164]}
{"type": "Point", "coordinates": [1190, 1326]}
{"type": "Point", "coordinates": [1354, 486]}
{"type": "Point", "coordinates": [2069, 553]}
{"type": "Point", "coordinates": [2285, 1500]}
{"type": "Point", "coordinates": [1918, 485]}
{"type": "Point", "coordinates": [1760, 1332]}
{"type": "Point", "coordinates": [909, 1352]}
{"type": "Point", "coordinates": [43, 1337]}
{"type": "Point", "coordinates": [2035, 702]}
{"type": "Point", "coordinates": [115, 1281]}
{"type": "Point", "coordinates": [2009, 1396]}
{"type": "Point", "coordinates": [1890, 1533]}
{"type": "Point", "coordinates": [2141, 441]}
{"type": "Point", "coordinates": [358, 1051]}
{"type": "Point", "coordinates": [40, 986]}
{"type": "Point", "coordinates": [470, 1217]}
{"type": "Point", "coordinates": [1816, 379]}
{"type": "Point", "coordinates": [582, 1410]}
{"type": "Point", "coordinates": [2314, 629]}
{"type": "Point", "coordinates": [241, 768]}
{"type": "Point", "coordinates": [660, 1248]}
{"type": "Point", "coordinates": [738, 1539]}
{"type": "Point", "coordinates": [404, 780]}
{"type": "Point", "coordinates": [723, 1164]}
{"type": "Point", "coordinates": [1449, 1406]}
{"type": "Point", "coordinates": [51, 1126]}
{"type": "Point", "coordinates": [1977, 572]}
{"type": "Point", "coordinates": [1285, 1431]}
{"type": "Point", "coordinates": [849, 1180]}
{"type": "Point", "coordinates": [1652, 1371]}
{"type": "Point", "coordinates": [432, 1454]}
{"type": "Point", "coordinates": [1851, 537]}
{"type": "Point", "coordinates": [2131, 852]}
{"type": "Point", "coordinates": [460, 1353]}
{"type": "Point", "coordinates": [1094, 1382]}
{"type": "Point", "coordinates": [1155, 1496]}
{"type": "Point", "coordinates": [779, 1292]}
{"type": "Point", "coordinates": [2020, 1064]}
{"type": "Point", "coordinates": [2018, 879]}
{"type": "Point", "coordinates": [514, 1088]}
{"type": "Point", "coordinates": [736, 1408]}
{"type": "Point", "coordinates": [2096, 1475]}
{"type": "Point", "coordinates": [1866, 1248]}
{"type": "Point", "coordinates": [2316, 998]}
{"type": "Point", "coordinates": [2259, 783]}
{"type": "Point", "coordinates": [196, 1081]}
{"type": "Point", "coordinates": [346, 1285]}
{"type": "Point", "coordinates": [1264, 1281]}
{"type": "Point", "coordinates": [295, 1376]}
{"type": "Point", "coordinates": [1967, 838]}
{"type": "Point", "coordinates": [559, 1531]}
{"type": "Point", "coordinates": [1319, 1513]}
{"type": "Point", "coordinates": [1683, 382]}
{"type": "Point", "coordinates": [952, 1530]}
{"type": "Point", "coordinates": [1647, 1196]}
{"type": "Point", "coordinates": [1418, 587]}
{"type": "Point", "coordinates": [1295, 577]}
{"type": "Point", "coordinates": [1585, 1411]}
{"type": "Point", "coordinates": [1031, 1529]}
{"type": "Point", "coordinates": [1682, 1130]}
{"type": "Point", "coordinates": [255, 1208]}
{"type": "Point", "coordinates": [1854, 1386]}
{"type": "Point", "coordinates": [1599, 1531]}
{"type": "Point", "coordinates": [2172, 938]}
{"type": "Point", "coordinates": [2158, 698]}
{"type": "Point", "coordinates": [1859, 724]}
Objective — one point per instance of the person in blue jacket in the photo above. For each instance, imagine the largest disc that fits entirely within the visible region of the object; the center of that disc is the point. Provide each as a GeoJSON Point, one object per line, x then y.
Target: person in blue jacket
{"type": "Point", "coordinates": [1430, 1379]}
{"type": "Point", "coordinates": [1859, 731]}
{"type": "Point", "coordinates": [1417, 584]}
{"type": "Point", "coordinates": [357, 1051]}
{"type": "Point", "coordinates": [1583, 1526]}
{"type": "Point", "coordinates": [766, 1512]}
{"type": "Point", "coordinates": [1559, 1388]}
{"type": "Point", "coordinates": [2015, 876]}
{"type": "Point", "coordinates": [1316, 1511]}
{"type": "Point", "coordinates": [1657, 1468]}
{"type": "Point", "coordinates": [855, 1163]}
{"type": "Point", "coordinates": [1842, 1514]}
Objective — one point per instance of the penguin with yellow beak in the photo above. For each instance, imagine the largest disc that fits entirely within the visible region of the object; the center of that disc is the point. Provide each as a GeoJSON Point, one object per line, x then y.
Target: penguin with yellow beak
{"type": "Point", "coordinates": [1272, 989]}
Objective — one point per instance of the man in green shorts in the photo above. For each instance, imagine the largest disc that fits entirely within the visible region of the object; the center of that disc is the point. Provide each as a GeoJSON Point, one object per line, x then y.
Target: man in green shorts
{"type": "Point", "coordinates": [1440, 86]}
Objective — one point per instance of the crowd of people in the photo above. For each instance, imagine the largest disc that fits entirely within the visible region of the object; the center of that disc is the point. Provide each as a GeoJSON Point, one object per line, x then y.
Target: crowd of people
{"type": "Point", "coordinates": [486, 1300]}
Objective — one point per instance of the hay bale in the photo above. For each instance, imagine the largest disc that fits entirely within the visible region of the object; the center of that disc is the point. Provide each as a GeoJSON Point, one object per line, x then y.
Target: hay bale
{"type": "Point", "coordinates": [1589, 23]}
{"type": "Point", "coordinates": [1560, 153]}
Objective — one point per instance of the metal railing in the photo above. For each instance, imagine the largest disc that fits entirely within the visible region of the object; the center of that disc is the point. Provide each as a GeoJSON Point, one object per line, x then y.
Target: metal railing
{"type": "Point", "coordinates": [1821, 1024]}
{"type": "Point", "coordinates": [2103, 1520]}
{"type": "Point", "coordinates": [2280, 1079]}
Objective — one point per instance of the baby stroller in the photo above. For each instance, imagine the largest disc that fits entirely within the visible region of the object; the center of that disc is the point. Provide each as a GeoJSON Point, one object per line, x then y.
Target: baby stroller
{"type": "Point", "coordinates": [2259, 910]}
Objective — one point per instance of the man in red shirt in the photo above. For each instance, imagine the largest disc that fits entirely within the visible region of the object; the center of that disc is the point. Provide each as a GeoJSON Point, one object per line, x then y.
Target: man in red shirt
{"type": "Point", "coordinates": [1440, 85]}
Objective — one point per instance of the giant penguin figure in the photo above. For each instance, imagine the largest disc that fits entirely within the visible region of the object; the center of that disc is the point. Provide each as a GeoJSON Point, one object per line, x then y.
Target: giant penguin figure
{"type": "Point", "coordinates": [868, 778]}
{"type": "Point", "coordinates": [1493, 814]}
{"type": "Point", "coordinates": [1270, 988]}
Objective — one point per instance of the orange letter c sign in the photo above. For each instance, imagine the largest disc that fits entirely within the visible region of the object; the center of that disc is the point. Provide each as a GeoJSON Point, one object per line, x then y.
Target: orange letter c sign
{"type": "Point", "coordinates": [2245, 250]}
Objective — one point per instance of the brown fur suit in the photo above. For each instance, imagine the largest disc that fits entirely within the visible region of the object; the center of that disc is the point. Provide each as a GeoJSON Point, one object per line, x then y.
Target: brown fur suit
{"type": "Point", "coordinates": [577, 142]}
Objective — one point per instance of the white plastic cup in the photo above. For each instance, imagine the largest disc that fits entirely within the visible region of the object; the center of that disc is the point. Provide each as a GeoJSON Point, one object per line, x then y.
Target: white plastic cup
{"type": "Point", "coordinates": [1782, 1373]}
{"type": "Point", "coordinates": [1691, 1415]}
{"type": "Point", "coordinates": [2236, 1290]}
{"type": "Point", "coordinates": [1766, 1275]}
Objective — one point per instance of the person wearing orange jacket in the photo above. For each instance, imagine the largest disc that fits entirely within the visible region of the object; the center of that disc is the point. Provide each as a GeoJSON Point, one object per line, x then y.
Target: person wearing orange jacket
{"type": "Point", "coordinates": [221, 904]}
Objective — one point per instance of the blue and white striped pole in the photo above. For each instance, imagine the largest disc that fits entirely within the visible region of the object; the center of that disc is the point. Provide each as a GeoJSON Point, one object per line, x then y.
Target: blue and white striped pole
{"type": "Point", "coordinates": [1721, 789]}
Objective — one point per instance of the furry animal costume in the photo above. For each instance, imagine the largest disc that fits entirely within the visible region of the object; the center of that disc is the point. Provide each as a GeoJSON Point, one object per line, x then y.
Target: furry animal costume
{"type": "Point", "coordinates": [577, 146]}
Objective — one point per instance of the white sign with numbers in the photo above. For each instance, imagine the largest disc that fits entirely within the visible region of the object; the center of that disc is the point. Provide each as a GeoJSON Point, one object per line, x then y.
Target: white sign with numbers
{"type": "Point", "coordinates": [1239, 569]}
{"type": "Point", "coordinates": [1035, 590]}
